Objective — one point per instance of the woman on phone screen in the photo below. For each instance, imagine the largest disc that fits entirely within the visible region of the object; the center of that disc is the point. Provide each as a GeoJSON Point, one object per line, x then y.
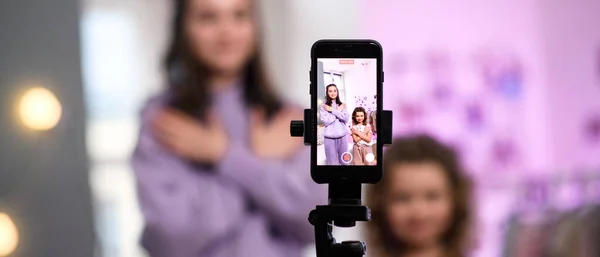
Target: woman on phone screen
{"type": "Point", "coordinates": [210, 181]}
{"type": "Point", "coordinates": [334, 115]}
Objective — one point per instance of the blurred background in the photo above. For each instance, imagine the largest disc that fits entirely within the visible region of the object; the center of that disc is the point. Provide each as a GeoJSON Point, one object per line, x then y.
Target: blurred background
{"type": "Point", "coordinates": [514, 85]}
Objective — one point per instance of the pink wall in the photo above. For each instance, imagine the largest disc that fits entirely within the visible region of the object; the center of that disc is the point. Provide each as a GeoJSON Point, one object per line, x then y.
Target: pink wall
{"type": "Point", "coordinates": [572, 50]}
{"type": "Point", "coordinates": [428, 43]}
{"type": "Point", "coordinates": [510, 83]}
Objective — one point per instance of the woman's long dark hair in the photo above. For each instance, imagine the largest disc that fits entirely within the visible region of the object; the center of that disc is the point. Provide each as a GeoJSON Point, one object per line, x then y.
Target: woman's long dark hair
{"type": "Point", "coordinates": [188, 77]}
{"type": "Point", "coordinates": [328, 100]}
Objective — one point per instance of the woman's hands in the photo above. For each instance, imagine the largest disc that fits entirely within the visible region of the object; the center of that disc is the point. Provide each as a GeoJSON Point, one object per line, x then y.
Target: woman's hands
{"type": "Point", "coordinates": [330, 109]}
{"type": "Point", "coordinates": [207, 142]}
{"type": "Point", "coordinates": [272, 139]}
{"type": "Point", "coordinates": [187, 137]}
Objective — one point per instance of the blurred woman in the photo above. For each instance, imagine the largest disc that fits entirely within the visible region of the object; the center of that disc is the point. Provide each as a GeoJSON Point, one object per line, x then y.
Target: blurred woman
{"type": "Point", "coordinates": [421, 208]}
{"type": "Point", "coordinates": [211, 182]}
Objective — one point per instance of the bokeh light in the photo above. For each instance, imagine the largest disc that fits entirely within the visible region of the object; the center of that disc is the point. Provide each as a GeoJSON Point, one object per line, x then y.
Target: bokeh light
{"type": "Point", "coordinates": [39, 109]}
{"type": "Point", "coordinates": [9, 237]}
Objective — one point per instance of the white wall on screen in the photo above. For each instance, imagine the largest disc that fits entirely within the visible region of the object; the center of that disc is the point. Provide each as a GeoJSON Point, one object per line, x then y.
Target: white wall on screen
{"type": "Point", "coordinates": [360, 80]}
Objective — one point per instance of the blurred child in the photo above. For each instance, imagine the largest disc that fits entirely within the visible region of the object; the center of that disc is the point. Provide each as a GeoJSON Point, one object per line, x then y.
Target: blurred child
{"type": "Point", "coordinates": [421, 207]}
{"type": "Point", "coordinates": [362, 136]}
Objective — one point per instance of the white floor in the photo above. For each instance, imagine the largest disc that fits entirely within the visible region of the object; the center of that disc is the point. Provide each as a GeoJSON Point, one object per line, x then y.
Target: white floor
{"type": "Point", "coordinates": [321, 153]}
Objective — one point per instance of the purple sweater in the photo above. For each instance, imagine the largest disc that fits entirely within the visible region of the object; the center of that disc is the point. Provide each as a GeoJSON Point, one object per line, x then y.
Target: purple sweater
{"type": "Point", "coordinates": [334, 121]}
{"type": "Point", "coordinates": [245, 206]}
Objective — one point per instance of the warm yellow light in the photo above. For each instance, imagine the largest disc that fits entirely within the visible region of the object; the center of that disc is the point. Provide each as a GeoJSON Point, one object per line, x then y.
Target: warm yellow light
{"type": "Point", "coordinates": [39, 109]}
{"type": "Point", "coordinates": [9, 237]}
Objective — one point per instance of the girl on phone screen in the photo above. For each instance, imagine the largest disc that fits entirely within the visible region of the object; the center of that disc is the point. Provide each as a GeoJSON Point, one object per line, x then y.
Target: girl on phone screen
{"type": "Point", "coordinates": [361, 135]}
{"type": "Point", "coordinates": [334, 115]}
{"type": "Point", "coordinates": [210, 180]}
{"type": "Point", "coordinates": [422, 206]}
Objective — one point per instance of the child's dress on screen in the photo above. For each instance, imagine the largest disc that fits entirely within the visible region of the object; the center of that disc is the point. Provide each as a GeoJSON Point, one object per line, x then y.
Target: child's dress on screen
{"type": "Point", "coordinates": [361, 149]}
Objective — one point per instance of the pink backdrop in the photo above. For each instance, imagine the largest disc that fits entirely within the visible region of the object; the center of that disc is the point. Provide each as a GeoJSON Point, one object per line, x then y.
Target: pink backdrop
{"type": "Point", "coordinates": [514, 85]}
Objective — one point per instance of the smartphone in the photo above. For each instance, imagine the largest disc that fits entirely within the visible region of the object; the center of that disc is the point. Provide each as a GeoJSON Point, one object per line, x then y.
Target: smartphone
{"type": "Point", "coordinates": [346, 98]}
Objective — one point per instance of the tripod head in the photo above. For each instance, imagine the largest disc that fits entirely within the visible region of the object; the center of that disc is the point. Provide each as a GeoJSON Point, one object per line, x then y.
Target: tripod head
{"type": "Point", "coordinates": [344, 206]}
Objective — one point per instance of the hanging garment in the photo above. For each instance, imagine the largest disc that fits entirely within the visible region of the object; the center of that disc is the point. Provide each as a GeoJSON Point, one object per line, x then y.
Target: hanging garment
{"type": "Point", "coordinates": [591, 232]}
{"type": "Point", "coordinates": [565, 241]}
{"type": "Point", "coordinates": [510, 236]}
{"type": "Point", "coordinates": [524, 238]}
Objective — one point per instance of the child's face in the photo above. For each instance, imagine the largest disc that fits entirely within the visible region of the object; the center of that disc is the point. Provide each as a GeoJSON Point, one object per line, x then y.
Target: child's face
{"type": "Point", "coordinates": [360, 117]}
{"type": "Point", "coordinates": [332, 92]}
{"type": "Point", "coordinates": [419, 203]}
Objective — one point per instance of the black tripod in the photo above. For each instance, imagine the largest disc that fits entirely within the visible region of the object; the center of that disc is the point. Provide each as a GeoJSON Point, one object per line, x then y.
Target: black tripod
{"type": "Point", "coordinates": [345, 207]}
{"type": "Point", "coordinates": [344, 210]}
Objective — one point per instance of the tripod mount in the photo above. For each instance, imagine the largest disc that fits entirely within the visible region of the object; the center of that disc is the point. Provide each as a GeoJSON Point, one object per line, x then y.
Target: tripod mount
{"type": "Point", "coordinates": [344, 210]}
{"type": "Point", "coordinates": [344, 206]}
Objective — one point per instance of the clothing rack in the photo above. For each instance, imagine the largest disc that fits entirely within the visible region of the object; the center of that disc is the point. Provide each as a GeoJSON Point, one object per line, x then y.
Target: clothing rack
{"type": "Point", "coordinates": [542, 225]}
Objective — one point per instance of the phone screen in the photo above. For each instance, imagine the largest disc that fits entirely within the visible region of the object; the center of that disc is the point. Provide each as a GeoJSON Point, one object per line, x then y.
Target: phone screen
{"type": "Point", "coordinates": [347, 103]}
